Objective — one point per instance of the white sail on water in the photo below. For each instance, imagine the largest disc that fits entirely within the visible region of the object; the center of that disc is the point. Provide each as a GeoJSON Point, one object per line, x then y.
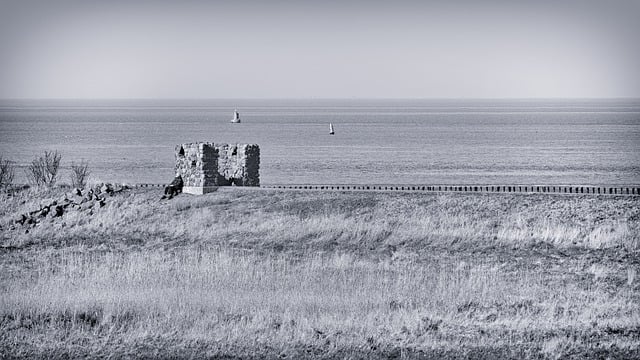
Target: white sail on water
{"type": "Point", "coordinates": [236, 116]}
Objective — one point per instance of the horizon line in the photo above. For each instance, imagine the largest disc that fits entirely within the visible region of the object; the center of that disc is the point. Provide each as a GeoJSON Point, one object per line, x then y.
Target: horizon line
{"type": "Point", "coordinates": [322, 98]}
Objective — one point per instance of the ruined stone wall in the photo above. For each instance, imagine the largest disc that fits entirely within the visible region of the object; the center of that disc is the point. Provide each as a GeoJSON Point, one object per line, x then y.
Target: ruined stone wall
{"type": "Point", "coordinates": [238, 164]}
{"type": "Point", "coordinates": [203, 166]}
{"type": "Point", "coordinates": [197, 164]}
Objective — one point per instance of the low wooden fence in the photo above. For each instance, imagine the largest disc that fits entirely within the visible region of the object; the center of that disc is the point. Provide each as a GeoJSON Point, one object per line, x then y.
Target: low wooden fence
{"type": "Point", "coordinates": [552, 189]}
{"type": "Point", "coordinates": [151, 185]}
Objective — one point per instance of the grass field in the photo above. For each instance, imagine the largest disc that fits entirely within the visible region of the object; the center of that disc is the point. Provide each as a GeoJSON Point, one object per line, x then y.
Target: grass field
{"type": "Point", "coordinates": [287, 274]}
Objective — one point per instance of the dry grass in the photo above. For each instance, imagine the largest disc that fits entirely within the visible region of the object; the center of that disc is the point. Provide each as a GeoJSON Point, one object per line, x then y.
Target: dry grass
{"type": "Point", "coordinates": [329, 221]}
{"type": "Point", "coordinates": [272, 274]}
{"type": "Point", "coordinates": [95, 303]}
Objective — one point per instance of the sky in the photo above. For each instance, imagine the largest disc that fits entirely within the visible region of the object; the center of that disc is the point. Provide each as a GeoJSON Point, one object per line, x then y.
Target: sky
{"type": "Point", "coordinates": [319, 49]}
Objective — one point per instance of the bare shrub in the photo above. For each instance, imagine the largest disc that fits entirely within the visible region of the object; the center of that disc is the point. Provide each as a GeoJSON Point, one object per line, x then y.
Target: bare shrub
{"type": "Point", "coordinates": [7, 170]}
{"type": "Point", "coordinates": [80, 174]}
{"type": "Point", "coordinates": [44, 169]}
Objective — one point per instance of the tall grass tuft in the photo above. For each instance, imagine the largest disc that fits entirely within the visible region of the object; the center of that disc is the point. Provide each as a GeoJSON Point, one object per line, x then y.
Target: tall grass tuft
{"type": "Point", "coordinates": [80, 174]}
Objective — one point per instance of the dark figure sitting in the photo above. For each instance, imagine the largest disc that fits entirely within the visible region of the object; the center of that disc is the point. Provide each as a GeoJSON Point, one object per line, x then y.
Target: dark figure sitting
{"type": "Point", "coordinates": [174, 188]}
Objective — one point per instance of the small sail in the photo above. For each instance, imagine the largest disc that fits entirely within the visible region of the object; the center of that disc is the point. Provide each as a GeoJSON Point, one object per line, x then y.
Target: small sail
{"type": "Point", "coordinates": [331, 132]}
{"type": "Point", "coordinates": [236, 117]}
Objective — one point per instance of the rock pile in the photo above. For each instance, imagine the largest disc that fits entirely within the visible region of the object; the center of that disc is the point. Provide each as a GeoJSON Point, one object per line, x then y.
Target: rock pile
{"type": "Point", "coordinates": [78, 200]}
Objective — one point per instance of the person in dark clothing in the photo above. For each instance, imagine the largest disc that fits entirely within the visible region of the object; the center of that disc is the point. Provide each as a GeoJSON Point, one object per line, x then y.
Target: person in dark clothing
{"type": "Point", "coordinates": [174, 188]}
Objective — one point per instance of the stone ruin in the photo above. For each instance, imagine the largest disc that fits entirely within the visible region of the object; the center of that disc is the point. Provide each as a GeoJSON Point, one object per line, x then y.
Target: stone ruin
{"type": "Point", "coordinates": [204, 166]}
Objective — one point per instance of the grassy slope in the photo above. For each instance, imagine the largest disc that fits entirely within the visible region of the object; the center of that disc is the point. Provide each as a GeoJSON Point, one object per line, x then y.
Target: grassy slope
{"type": "Point", "coordinates": [270, 273]}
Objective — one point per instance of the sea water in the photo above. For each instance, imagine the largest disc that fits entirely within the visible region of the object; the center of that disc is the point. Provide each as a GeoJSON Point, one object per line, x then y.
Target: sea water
{"type": "Point", "coordinates": [588, 142]}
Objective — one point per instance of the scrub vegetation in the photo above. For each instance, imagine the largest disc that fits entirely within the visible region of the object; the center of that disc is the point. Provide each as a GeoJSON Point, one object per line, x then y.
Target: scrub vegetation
{"type": "Point", "coordinates": [290, 274]}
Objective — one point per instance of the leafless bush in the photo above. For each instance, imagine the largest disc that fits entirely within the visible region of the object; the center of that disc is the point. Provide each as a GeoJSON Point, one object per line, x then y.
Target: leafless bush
{"type": "Point", "coordinates": [44, 169]}
{"type": "Point", "coordinates": [7, 170]}
{"type": "Point", "coordinates": [79, 174]}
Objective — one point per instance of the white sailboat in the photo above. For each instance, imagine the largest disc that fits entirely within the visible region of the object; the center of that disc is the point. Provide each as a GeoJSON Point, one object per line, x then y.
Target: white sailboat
{"type": "Point", "coordinates": [331, 132]}
{"type": "Point", "coordinates": [236, 116]}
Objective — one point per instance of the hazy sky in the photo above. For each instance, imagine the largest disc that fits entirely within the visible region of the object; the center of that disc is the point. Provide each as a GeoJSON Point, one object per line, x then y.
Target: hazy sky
{"type": "Point", "coordinates": [319, 49]}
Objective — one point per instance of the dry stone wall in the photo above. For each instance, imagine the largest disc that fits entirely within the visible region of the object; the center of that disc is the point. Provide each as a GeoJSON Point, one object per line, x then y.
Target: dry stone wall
{"type": "Point", "coordinates": [204, 166]}
{"type": "Point", "coordinates": [197, 164]}
{"type": "Point", "coordinates": [238, 164]}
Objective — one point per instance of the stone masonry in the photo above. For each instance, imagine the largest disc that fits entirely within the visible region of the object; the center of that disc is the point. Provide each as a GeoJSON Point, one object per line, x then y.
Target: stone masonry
{"type": "Point", "coordinates": [205, 166]}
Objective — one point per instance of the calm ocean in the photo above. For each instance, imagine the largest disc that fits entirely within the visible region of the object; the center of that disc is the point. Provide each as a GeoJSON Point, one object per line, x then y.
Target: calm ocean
{"type": "Point", "coordinates": [582, 142]}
